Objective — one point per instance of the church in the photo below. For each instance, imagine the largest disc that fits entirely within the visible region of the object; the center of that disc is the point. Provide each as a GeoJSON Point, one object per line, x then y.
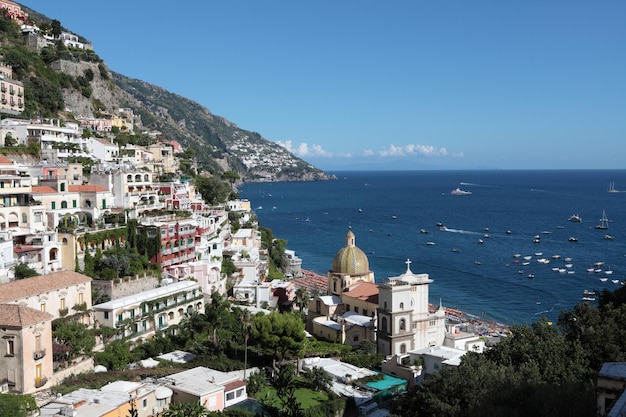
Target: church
{"type": "Point", "coordinates": [393, 314]}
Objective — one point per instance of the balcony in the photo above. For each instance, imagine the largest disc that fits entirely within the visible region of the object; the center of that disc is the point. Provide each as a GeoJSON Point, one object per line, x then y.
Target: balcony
{"type": "Point", "coordinates": [39, 354]}
{"type": "Point", "coordinates": [40, 382]}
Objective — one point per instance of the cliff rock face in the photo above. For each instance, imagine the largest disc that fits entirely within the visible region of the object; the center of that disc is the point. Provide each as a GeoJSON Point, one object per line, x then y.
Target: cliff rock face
{"type": "Point", "coordinates": [219, 144]}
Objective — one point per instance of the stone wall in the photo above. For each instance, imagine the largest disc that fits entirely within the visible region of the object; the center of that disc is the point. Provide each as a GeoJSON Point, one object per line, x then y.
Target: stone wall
{"type": "Point", "coordinates": [123, 287]}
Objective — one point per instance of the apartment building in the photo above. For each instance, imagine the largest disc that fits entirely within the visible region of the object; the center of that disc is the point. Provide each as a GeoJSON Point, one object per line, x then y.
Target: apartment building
{"type": "Point", "coordinates": [59, 293]}
{"type": "Point", "coordinates": [141, 315]}
{"type": "Point", "coordinates": [132, 188]}
{"type": "Point", "coordinates": [25, 348]}
{"type": "Point", "coordinates": [11, 92]}
{"type": "Point", "coordinates": [176, 240]}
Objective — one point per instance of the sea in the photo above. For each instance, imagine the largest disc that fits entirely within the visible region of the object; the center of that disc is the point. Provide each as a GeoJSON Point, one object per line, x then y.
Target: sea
{"type": "Point", "coordinates": [507, 252]}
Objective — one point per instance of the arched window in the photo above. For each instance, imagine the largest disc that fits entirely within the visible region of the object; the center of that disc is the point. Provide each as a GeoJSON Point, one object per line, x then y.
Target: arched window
{"type": "Point", "coordinates": [170, 316]}
{"type": "Point", "coordinates": [63, 204]}
{"type": "Point", "coordinates": [401, 306]}
{"type": "Point", "coordinates": [403, 348]}
{"type": "Point", "coordinates": [383, 324]}
{"type": "Point", "coordinates": [385, 305]}
{"type": "Point", "coordinates": [402, 324]}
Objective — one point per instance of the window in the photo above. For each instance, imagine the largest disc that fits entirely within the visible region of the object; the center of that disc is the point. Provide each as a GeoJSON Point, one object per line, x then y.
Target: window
{"type": "Point", "coordinates": [24, 218]}
{"type": "Point", "coordinates": [74, 203]}
{"type": "Point", "coordinates": [106, 315]}
{"type": "Point", "coordinates": [230, 396]}
{"type": "Point", "coordinates": [54, 205]}
{"type": "Point", "coordinates": [62, 302]}
{"type": "Point", "coordinates": [402, 324]}
{"type": "Point", "coordinates": [120, 317]}
{"type": "Point", "coordinates": [385, 305]}
{"type": "Point", "coordinates": [10, 348]}
{"type": "Point", "coordinates": [356, 338]}
{"type": "Point", "coordinates": [132, 313]}
{"type": "Point", "coordinates": [63, 204]}
{"type": "Point", "coordinates": [347, 307]}
{"type": "Point", "coordinates": [356, 310]}
{"type": "Point", "coordinates": [401, 306]}
{"type": "Point", "coordinates": [383, 324]}
{"type": "Point", "coordinates": [38, 343]}
{"type": "Point", "coordinates": [403, 348]}
{"type": "Point", "coordinates": [145, 402]}
{"type": "Point", "coordinates": [42, 307]}
{"type": "Point", "coordinates": [62, 187]}
{"type": "Point", "coordinates": [365, 312]}
{"type": "Point", "coordinates": [318, 306]}
{"type": "Point", "coordinates": [80, 298]}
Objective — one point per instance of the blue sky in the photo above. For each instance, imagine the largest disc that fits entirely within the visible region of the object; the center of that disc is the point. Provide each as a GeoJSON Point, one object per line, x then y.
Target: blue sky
{"type": "Point", "coordinates": [401, 84]}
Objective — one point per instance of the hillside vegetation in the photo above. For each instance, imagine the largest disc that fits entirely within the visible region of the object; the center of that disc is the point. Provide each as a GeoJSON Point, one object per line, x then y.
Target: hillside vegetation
{"type": "Point", "coordinates": [63, 82]}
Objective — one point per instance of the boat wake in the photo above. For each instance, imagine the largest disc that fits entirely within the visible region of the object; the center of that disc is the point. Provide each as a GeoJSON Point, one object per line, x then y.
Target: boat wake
{"type": "Point", "coordinates": [468, 232]}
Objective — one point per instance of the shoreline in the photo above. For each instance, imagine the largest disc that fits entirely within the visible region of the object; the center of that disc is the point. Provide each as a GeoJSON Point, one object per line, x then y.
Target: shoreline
{"type": "Point", "coordinates": [470, 323]}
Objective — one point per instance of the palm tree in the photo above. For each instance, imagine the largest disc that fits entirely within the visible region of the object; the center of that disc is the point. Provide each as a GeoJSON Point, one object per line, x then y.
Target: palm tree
{"type": "Point", "coordinates": [302, 298]}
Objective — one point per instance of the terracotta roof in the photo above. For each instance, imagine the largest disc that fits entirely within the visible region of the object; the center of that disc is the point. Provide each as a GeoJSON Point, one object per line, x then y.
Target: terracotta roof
{"type": "Point", "coordinates": [312, 281]}
{"type": "Point", "coordinates": [22, 288]}
{"type": "Point", "coordinates": [5, 160]}
{"type": "Point", "coordinates": [86, 188]}
{"type": "Point", "coordinates": [21, 249]}
{"type": "Point", "coordinates": [44, 189]}
{"type": "Point", "coordinates": [234, 385]}
{"type": "Point", "coordinates": [16, 315]}
{"type": "Point", "coordinates": [366, 291]}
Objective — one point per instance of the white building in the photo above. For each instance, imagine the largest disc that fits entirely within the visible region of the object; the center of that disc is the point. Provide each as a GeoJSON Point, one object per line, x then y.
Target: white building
{"type": "Point", "coordinates": [142, 315]}
{"type": "Point", "coordinates": [405, 322]}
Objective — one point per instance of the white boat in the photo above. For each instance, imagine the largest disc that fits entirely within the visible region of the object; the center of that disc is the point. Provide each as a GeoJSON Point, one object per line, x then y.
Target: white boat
{"type": "Point", "coordinates": [575, 218]}
{"type": "Point", "coordinates": [430, 243]}
{"type": "Point", "coordinates": [615, 281]}
{"type": "Point", "coordinates": [589, 298]}
{"type": "Point", "coordinates": [603, 279]}
{"type": "Point", "coordinates": [604, 222]}
{"type": "Point", "coordinates": [608, 237]}
{"type": "Point", "coordinates": [572, 239]}
{"type": "Point", "coordinates": [612, 188]}
{"type": "Point", "coordinates": [458, 191]}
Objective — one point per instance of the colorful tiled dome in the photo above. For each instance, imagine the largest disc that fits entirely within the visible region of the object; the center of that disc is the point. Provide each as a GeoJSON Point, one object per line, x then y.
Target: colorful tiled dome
{"type": "Point", "coordinates": [350, 259]}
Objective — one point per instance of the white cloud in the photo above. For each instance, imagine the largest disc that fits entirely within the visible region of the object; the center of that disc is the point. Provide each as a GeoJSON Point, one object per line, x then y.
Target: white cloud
{"type": "Point", "coordinates": [303, 149]}
{"type": "Point", "coordinates": [414, 149]}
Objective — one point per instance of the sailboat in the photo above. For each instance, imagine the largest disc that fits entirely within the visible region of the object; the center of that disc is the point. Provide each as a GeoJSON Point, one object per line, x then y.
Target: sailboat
{"type": "Point", "coordinates": [604, 222]}
{"type": "Point", "coordinates": [612, 188]}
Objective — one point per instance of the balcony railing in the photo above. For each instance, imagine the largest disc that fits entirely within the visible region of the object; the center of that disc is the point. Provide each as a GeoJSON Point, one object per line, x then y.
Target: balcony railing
{"type": "Point", "coordinates": [39, 354]}
{"type": "Point", "coordinates": [40, 382]}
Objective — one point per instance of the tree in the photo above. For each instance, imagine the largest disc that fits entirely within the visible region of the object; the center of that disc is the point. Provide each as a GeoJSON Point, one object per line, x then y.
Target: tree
{"type": "Point", "coordinates": [9, 140]}
{"type": "Point", "coordinates": [22, 270]}
{"type": "Point", "coordinates": [302, 298]}
{"type": "Point", "coordinates": [12, 405]}
{"type": "Point", "coordinates": [213, 189]}
{"type": "Point", "coordinates": [76, 336]}
{"type": "Point", "coordinates": [194, 409]}
{"type": "Point", "coordinates": [284, 383]}
{"type": "Point", "coordinates": [319, 379]}
{"type": "Point", "coordinates": [281, 333]}
{"type": "Point", "coordinates": [231, 177]}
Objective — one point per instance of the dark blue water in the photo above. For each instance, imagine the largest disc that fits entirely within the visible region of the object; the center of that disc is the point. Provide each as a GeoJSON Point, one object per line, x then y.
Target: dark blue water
{"type": "Point", "coordinates": [481, 279]}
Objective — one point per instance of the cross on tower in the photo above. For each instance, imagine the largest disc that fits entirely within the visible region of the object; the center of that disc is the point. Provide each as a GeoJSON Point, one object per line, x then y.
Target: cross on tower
{"type": "Point", "coordinates": [408, 264]}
